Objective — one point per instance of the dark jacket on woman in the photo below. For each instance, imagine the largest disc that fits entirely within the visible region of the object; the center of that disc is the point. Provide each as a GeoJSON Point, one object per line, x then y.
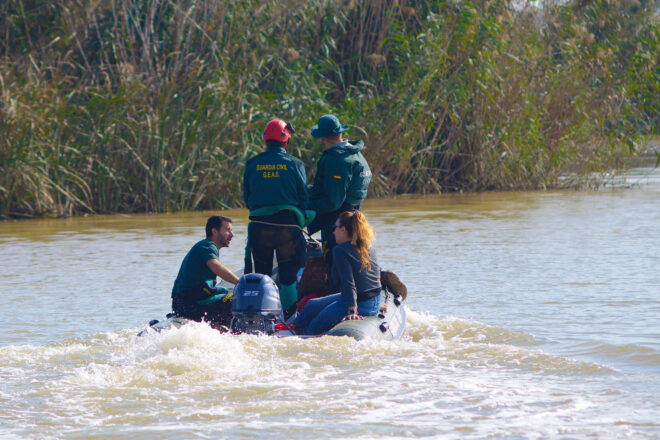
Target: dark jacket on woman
{"type": "Point", "coordinates": [356, 283]}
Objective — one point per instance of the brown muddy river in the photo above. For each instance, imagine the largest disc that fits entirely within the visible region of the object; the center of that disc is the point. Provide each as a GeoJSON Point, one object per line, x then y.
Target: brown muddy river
{"type": "Point", "coordinates": [531, 315]}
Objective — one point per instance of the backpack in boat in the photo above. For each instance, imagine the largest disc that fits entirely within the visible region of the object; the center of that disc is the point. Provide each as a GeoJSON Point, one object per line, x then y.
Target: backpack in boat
{"type": "Point", "coordinates": [314, 279]}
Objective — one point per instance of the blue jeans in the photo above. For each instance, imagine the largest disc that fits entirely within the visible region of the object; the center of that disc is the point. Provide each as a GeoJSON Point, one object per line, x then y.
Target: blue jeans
{"type": "Point", "coordinates": [321, 314]}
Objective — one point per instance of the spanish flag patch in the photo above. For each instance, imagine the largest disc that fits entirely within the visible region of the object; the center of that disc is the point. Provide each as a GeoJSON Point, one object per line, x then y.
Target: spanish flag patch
{"type": "Point", "coordinates": [337, 177]}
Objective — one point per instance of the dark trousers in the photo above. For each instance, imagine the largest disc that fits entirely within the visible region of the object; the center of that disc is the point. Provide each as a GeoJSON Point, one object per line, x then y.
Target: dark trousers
{"type": "Point", "coordinates": [217, 313]}
{"type": "Point", "coordinates": [286, 242]}
{"type": "Point", "coordinates": [326, 224]}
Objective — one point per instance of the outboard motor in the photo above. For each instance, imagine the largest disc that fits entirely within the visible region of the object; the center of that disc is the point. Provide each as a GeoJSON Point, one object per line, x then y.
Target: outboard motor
{"type": "Point", "coordinates": [256, 305]}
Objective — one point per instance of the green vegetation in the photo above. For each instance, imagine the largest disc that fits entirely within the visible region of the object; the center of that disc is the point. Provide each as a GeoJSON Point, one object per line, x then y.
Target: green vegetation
{"type": "Point", "coordinates": [154, 105]}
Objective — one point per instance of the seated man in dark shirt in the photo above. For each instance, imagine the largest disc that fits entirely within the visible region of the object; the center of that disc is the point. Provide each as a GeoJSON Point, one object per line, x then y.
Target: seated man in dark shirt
{"type": "Point", "coordinates": [195, 294]}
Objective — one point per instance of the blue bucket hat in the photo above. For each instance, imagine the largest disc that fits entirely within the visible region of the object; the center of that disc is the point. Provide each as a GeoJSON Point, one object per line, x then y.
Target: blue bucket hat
{"type": "Point", "coordinates": [328, 125]}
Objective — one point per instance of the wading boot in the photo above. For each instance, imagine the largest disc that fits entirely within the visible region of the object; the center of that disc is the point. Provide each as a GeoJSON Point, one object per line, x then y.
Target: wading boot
{"type": "Point", "coordinates": [393, 284]}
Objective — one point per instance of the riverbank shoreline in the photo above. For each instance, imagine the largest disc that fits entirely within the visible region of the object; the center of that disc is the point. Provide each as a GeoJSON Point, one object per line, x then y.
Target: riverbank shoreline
{"type": "Point", "coordinates": [631, 176]}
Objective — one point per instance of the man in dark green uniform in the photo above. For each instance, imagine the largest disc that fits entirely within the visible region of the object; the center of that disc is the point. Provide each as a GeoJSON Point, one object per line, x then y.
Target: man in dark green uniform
{"type": "Point", "coordinates": [341, 181]}
{"type": "Point", "coordinates": [195, 294]}
{"type": "Point", "coordinates": [275, 192]}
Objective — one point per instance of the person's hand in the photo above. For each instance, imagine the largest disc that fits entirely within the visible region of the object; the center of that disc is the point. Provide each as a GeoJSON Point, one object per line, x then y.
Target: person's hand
{"type": "Point", "coordinates": [352, 315]}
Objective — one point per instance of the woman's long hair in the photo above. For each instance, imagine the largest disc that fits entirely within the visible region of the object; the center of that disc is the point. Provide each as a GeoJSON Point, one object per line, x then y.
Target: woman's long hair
{"type": "Point", "coordinates": [361, 233]}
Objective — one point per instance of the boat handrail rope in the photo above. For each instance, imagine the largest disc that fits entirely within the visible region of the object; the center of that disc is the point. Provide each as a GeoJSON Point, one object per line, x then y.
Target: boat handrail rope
{"type": "Point", "coordinates": [248, 250]}
{"type": "Point", "coordinates": [288, 326]}
{"type": "Point", "coordinates": [288, 225]}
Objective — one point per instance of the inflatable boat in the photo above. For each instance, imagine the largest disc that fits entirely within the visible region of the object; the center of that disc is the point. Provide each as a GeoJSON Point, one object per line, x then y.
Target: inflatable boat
{"type": "Point", "coordinates": [256, 309]}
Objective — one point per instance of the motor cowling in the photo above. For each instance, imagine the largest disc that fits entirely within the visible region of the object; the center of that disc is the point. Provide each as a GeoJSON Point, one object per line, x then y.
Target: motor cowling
{"type": "Point", "coordinates": [256, 305]}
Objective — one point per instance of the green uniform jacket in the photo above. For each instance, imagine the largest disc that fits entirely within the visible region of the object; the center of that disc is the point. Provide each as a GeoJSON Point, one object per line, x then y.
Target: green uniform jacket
{"type": "Point", "coordinates": [274, 178]}
{"type": "Point", "coordinates": [342, 175]}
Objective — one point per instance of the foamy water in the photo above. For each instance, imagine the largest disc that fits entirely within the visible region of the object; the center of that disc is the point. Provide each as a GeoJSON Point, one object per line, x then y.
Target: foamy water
{"type": "Point", "coordinates": [449, 377]}
{"type": "Point", "coordinates": [531, 315]}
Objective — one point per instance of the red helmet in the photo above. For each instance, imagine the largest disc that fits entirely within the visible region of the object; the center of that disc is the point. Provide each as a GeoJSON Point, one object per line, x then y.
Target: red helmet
{"type": "Point", "coordinates": [278, 130]}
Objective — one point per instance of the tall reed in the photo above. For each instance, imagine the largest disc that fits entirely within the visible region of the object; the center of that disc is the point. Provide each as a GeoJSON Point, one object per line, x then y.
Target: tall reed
{"type": "Point", "coordinates": [154, 106]}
